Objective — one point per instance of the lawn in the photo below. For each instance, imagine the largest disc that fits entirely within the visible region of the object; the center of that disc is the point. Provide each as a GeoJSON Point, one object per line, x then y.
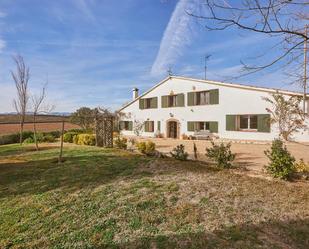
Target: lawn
{"type": "Point", "coordinates": [109, 198]}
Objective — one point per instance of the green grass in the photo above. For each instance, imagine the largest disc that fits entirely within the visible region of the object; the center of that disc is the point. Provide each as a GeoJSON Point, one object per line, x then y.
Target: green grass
{"type": "Point", "coordinates": [109, 198]}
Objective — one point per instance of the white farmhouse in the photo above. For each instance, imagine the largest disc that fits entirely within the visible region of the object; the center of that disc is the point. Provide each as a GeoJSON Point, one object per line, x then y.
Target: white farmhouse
{"type": "Point", "coordinates": [179, 106]}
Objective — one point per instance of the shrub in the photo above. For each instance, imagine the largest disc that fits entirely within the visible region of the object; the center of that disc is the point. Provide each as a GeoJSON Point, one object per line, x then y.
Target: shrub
{"type": "Point", "coordinates": [86, 139]}
{"type": "Point", "coordinates": [68, 136]}
{"type": "Point", "coordinates": [55, 134]}
{"type": "Point", "coordinates": [179, 153]}
{"type": "Point", "coordinates": [120, 143]}
{"type": "Point", "coordinates": [29, 140]}
{"type": "Point", "coordinates": [75, 139]}
{"type": "Point", "coordinates": [141, 147]}
{"type": "Point", "coordinates": [301, 166]}
{"type": "Point", "coordinates": [281, 163]}
{"type": "Point", "coordinates": [48, 138]}
{"type": "Point", "coordinates": [221, 154]}
{"type": "Point", "coordinates": [78, 131]}
{"type": "Point", "coordinates": [147, 148]}
{"type": "Point", "coordinates": [9, 139]}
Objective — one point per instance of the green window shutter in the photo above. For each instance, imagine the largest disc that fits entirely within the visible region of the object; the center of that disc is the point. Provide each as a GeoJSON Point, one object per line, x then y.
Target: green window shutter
{"type": "Point", "coordinates": [190, 98]}
{"type": "Point", "coordinates": [141, 104]}
{"type": "Point", "coordinates": [130, 125]}
{"type": "Point", "coordinates": [121, 125]}
{"type": "Point", "coordinates": [190, 126]}
{"type": "Point", "coordinates": [213, 127]}
{"type": "Point", "coordinates": [154, 102]}
{"type": "Point", "coordinates": [180, 99]}
{"type": "Point", "coordinates": [159, 125]}
{"type": "Point", "coordinates": [264, 123]}
{"type": "Point", "coordinates": [214, 96]}
{"type": "Point", "coordinates": [164, 101]}
{"type": "Point", "coordinates": [231, 122]}
{"type": "Point", "coordinates": [146, 125]}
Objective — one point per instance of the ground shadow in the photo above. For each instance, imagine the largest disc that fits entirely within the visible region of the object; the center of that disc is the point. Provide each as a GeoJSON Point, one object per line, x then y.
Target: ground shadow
{"type": "Point", "coordinates": [272, 234]}
{"type": "Point", "coordinates": [75, 173]}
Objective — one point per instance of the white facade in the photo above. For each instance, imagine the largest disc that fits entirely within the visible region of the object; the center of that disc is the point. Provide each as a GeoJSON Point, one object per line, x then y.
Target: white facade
{"type": "Point", "coordinates": [234, 99]}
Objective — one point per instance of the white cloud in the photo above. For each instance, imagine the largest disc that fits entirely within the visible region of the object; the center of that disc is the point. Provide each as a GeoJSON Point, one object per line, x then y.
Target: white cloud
{"type": "Point", "coordinates": [178, 34]}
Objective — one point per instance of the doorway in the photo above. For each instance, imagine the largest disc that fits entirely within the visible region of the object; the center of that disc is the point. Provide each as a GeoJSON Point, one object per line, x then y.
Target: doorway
{"type": "Point", "coordinates": [172, 129]}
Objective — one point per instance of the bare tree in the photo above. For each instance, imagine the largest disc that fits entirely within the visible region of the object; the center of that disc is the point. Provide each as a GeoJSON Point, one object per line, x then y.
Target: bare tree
{"type": "Point", "coordinates": [287, 114]}
{"type": "Point", "coordinates": [21, 78]}
{"type": "Point", "coordinates": [284, 20]}
{"type": "Point", "coordinates": [39, 108]}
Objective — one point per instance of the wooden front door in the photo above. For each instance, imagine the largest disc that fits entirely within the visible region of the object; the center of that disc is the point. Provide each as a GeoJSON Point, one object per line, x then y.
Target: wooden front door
{"type": "Point", "coordinates": [172, 129]}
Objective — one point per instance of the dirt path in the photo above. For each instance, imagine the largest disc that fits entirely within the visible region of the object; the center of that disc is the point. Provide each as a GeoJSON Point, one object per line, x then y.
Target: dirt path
{"type": "Point", "coordinates": [249, 155]}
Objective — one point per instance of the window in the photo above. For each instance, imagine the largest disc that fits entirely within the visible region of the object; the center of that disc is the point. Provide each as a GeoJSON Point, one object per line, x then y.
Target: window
{"type": "Point", "coordinates": [210, 97]}
{"type": "Point", "coordinates": [211, 126]}
{"type": "Point", "coordinates": [202, 126]}
{"type": "Point", "coordinates": [248, 122]}
{"type": "Point", "coordinates": [149, 126]}
{"type": "Point", "coordinates": [172, 100]}
{"type": "Point", "coordinates": [126, 125]}
{"type": "Point", "coordinates": [148, 103]}
{"type": "Point", "coordinates": [202, 98]}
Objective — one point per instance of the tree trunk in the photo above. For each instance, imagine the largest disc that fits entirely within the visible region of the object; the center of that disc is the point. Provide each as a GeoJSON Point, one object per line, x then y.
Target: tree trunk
{"type": "Point", "coordinates": [34, 133]}
{"type": "Point", "coordinates": [21, 132]}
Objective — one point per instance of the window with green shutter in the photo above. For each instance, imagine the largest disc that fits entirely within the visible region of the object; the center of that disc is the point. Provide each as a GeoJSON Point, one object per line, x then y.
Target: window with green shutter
{"type": "Point", "coordinates": [148, 103]}
{"type": "Point", "coordinates": [180, 100]}
{"type": "Point", "coordinates": [210, 97]}
{"type": "Point", "coordinates": [141, 104]}
{"type": "Point", "coordinates": [212, 126]}
{"type": "Point", "coordinates": [190, 126]}
{"type": "Point", "coordinates": [149, 126]}
{"type": "Point", "coordinates": [190, 97]}
{"type": "Point", "coordinates": [231, 122]}
{"type": "Point", "coordinates": [248, 122]}
{"type": "Point", "coordinates": [164, 101]}
{"type": "Point", "coordinates": [177, 100]}
{"type": "Point", "coordinates": [263, 123]}
{"type": "Point", "coordinates": [159, 125]}
{"type": "Point", "coordinates": [126, 125]}
{"type": "Point", "coordinates": [214, 97]}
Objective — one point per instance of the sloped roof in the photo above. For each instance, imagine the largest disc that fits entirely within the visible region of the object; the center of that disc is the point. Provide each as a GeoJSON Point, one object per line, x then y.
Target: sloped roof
{"type": "Point", "coordinates": [218, 83]}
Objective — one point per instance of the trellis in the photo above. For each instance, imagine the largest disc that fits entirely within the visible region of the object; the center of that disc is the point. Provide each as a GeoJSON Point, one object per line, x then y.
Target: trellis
{"type": "Point", "coordinates": [104, 124]}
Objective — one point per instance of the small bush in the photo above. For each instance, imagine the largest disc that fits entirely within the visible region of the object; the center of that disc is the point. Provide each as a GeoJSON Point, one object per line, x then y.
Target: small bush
{"type": "Point", "coordinates": [281, 163]}
{"type": "Point", "coordinates": [29, 140]}
{"type": "Point", "coordinates": [221, 154]}
{"type": "Point", "coordinates": [55, 134]}
{"type": "Point", "coordinates": [48, 138]}
{"type": "Point", "coordinates": [68, 136]}
{"type": "Point", "coordinates": [147, 148]}
{"type": "Point", "coordinates": [75, 139]}
{"type": "Point", "coordinates": [301, 166]}
{"type": "Point", "coordinates": [120, 143]}
{"type": "Point", "coordinates": [78, 131]}
{"type": "Point", "coordinates": [179, 153]}
{"type": "Point", "coordinates": [86, 139]}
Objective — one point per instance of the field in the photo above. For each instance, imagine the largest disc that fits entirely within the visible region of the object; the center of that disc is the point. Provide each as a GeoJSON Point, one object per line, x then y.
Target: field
{"type": "Point", "coordinates": [109, 198]}
{"type": "Point", "coordinates": [9, 123]}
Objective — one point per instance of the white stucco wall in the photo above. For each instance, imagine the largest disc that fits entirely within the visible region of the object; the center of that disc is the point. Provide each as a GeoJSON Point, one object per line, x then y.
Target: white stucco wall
{"type": "Point", "coordinates": [232, 100]}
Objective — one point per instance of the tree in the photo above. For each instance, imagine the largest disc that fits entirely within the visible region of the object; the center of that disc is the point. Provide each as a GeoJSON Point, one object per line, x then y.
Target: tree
{"type": "Point", "coordinates": [138, 127]}
{"type": "Point", "coordinates": [21, 78]}
{"type": "Point", "coordinates": [286, 113]}
{"type": "Point", "coordinates": [283, 20]}
{"type": "Point", "coordinates": [38, 107]}
{"type": "Point", "coordinates": [84, 117]}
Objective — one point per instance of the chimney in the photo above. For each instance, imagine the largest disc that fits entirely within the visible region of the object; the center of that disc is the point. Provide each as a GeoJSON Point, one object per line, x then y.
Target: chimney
{"type": "Point", "coordinates": [135, 93]}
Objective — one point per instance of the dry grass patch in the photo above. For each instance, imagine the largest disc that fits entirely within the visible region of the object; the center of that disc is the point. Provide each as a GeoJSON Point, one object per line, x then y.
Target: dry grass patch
{"type": "Point", "coordinates": [115, 199]}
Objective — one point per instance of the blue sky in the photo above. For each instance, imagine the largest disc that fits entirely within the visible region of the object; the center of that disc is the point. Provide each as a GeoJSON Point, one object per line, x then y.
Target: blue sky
{"type": "Point", "coordinates": [94, 52]}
